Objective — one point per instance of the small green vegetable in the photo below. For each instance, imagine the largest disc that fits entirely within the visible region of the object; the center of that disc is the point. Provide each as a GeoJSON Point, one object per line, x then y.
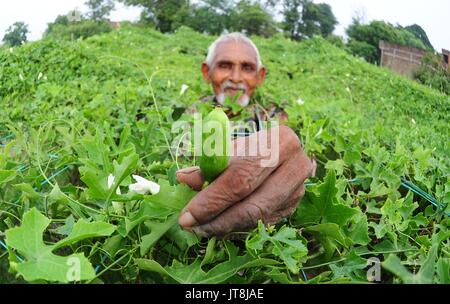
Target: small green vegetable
{"type": "Point", "coordinates": [216, 144]}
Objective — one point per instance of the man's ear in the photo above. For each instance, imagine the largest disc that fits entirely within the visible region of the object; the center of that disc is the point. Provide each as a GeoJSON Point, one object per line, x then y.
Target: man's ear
{"type": "Point", "coordinates": [261, 75]}
{"type": "Point", "coordinates": [205, 72]}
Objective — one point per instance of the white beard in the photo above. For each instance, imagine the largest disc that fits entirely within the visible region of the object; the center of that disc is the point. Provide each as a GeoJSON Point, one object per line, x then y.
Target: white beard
{"type": "Point", "coordinates": [243, 100]}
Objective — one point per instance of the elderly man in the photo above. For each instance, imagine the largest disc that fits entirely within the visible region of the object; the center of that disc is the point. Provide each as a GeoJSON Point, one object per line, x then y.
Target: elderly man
{"type": "Point", "coordinates": [246, 191]}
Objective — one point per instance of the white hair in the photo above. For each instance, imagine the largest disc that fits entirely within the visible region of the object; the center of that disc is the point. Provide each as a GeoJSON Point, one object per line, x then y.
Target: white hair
{"type": "Point", "coordinates": [236, 36]}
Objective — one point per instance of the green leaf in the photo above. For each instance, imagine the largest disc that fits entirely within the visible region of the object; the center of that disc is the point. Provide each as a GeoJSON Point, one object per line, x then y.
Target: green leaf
{"type": "Point", "coordinates": [359, 230]}
{"type": "Point", "coordinates": [40, 262]}
{"type": "Point", "coordinates": [324, 207]}
{"type": "Point", "coordinates": [57, 195]}
{"type": "Point", "coordinates": [172, 197]}
{"type": "Point", "coordinates": [169, 200]}
{"type": "Point", "coordinates": [113, 245]}
{"type": "Point", "coordinates": [122, 169]}
{"type": "Point", "coordinates": [158, 229]}
{"type": "Point", "coordinates": [96, 177]}
{"type": "Point", "coordinates": [209, 255]}
{"type": "Point", "coordinates": [443, 270]}
{"type": "Point", "coordinates": [351, 268]}
{"type": "Point", "coordinates": [193, 273]}
{"type": "Point", "coordinates": [337, 165]}
{"type": "Point", "coordinates": [425, 274]}
{"type": "Point", "coordinates": [330, 230]}
{"type": "Point", "coordinates": [83, 230]}
{"type": "Point", "coordinates": [278, 276]}
{"type": "Point", "coordinates": [328, 234]}
{"type": "Point", "coordinates": [286, 245]}
{"type": "Point", "coordinates": [28, 191]}
{"type": "Point", "coordinates": [7, 175]}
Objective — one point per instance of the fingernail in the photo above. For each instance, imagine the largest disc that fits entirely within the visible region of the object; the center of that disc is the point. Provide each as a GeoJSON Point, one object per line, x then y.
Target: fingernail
{"type": "Point", "coordinates": [187, 220]}
{"type": "Point", "coordinates": [199, 232]}
{"type": "Point", "coordinates": [186, 170]}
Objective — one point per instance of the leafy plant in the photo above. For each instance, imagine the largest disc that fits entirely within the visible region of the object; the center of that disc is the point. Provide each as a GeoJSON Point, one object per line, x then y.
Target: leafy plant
{"type": "Point", "coordinates": [81, 119]}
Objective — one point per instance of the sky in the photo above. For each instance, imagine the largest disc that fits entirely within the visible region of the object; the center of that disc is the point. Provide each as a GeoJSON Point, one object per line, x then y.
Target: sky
{"type": "Point", "coordinates": [432, 15]}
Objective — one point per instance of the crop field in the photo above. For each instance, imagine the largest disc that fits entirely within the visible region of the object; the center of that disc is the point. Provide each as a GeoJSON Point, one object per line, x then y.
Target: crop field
{"type": "Point", "coordinates": [73, 114]}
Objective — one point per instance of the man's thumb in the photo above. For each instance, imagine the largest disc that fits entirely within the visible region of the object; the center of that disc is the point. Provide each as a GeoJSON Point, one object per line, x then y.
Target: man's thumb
{"type": "Point", "coordinates": [192, 177]}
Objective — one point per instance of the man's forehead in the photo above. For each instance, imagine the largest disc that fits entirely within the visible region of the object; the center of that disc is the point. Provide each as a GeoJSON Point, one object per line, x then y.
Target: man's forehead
{"type": "Point", "coordinates": [235, 51]}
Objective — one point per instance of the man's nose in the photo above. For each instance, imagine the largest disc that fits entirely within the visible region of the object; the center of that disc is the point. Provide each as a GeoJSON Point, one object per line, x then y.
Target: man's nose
{"type": "Point", "coordinates": [236, 75]}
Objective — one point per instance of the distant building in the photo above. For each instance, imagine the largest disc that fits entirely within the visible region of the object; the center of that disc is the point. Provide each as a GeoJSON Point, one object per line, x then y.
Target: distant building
{"type": "Point", "coordinates": [446, 57]}
{"type": "Point", "coordinates": [400, 58]}
{"type": "Point", "coordinates": [114, 24]}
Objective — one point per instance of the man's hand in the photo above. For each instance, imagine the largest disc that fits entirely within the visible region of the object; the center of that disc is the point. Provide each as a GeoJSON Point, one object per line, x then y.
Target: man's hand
{"type": "Point", "coordinates": [247, 191]}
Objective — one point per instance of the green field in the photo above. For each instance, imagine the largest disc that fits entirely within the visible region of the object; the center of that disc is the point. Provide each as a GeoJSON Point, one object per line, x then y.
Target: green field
{"type": "Point", "coordinates": [74, 112]}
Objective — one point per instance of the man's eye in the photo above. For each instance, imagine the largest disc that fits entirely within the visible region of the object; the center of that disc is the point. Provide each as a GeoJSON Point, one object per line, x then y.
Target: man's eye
{"type": "Point", "coordinates": [224, 65]}
{"type": "Point", "coordinates": [248, 68]}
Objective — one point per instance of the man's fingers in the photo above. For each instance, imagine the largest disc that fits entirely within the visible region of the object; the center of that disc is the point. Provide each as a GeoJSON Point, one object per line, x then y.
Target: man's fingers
{"type": "Point", "coordinates": [192, 177]}
{"type": "Point", "coordinates": [245, 173]}
{"type": "Point", "coordinates": [288, 208]}
{"type": "Point", "coordinates": [267, 203]}
{"type": "Point", "coordinates": [245, 215]}
{"type": "Point", "coordinates": [253, 159]}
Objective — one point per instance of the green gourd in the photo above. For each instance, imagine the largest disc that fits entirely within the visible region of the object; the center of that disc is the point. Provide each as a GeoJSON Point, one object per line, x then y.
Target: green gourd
{"type": "Point", "coordinates": [216, 144]}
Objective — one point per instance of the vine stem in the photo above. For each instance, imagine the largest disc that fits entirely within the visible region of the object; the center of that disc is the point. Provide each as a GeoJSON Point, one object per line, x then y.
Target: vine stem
{"type": "Point", "coordinates": [112, 264]}
{"type": "Point", "coordinates": [366, 253]}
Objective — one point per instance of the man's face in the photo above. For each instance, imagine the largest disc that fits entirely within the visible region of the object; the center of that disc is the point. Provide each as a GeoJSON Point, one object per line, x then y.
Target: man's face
{"type": "Point", "coordinates": [234, 71]}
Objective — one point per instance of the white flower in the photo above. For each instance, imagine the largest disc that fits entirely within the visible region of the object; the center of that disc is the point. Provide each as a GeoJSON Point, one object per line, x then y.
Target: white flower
{"type": "Point", "coordinates": [184, 88]}
{"type": "Point", "coordinates": [300, 101]}
{"type": "Point", "coordinates": [347, 89]}
{"type": "Point", "coordinates": [11, 50]}
{"type": "Point", "coordinates": [118, 206]}
{"type": "Point", "coordinates": [21, 77]}
{"type": "Point", "coordinates": [413, 121]}
{"type": "Point", "coordinates": [143, 186]}
{"type": "Point", "coordinates": [40, 76]}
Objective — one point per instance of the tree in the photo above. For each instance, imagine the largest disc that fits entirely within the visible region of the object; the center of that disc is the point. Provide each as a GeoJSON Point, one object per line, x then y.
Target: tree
{"type": "Point", "coordinates": [292, 17]}
{"type": "Point", "coordinates": [304, 19]}
{"type": "Point", "coordinates": [16, 34]}
{"type": "Point", "coordinates": [162, 13]}
{"type": "Point", "coordinates": [99, 9]}
{"type": "Point", "coordinates": [64, 28]}
{"type": "Point", "coordinates": [433, 73]}
{"type": "Point", "coordinates": [210, 16]}
{"type": "Point", "coordinates": [317, 19]}
{"type": "Point", "coordinates": [253, 19]}
{"type": "Point", "coordinates": [419, 32]}
{"type": "Point", "coordinates": [364, 38]}
{"type": "Point", "coordinates": [61, 20]}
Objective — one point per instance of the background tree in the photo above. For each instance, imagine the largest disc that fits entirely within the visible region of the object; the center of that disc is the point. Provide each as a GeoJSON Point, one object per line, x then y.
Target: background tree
{"type": "Point", "coordinates": [99, 9]}
{"type": "Point", "coordinates": [16, 34]}
{"type": "Point", "coordinates": [211, 16]}
{"type": "Point", "coordinates": [61, 20]}
{"type": "Point", "coordinates": [318, 19]}
{"type": "Point", "coordinates": [364, 38]}
{"type": "Point", "coordinates": [433, 73]}
{"type": "Point", "coordinates": [419, 32]}
{"type": "Point", "coordinates": [253, 19]}
{"type": "Point", "coordinates": [163, 14]}
{"type": "Point", "coordinates": [304, 19]}
{"type": "Point", "coordinates": [64, 28]}
{"type": "Point", "coordinates": [292, 16]}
